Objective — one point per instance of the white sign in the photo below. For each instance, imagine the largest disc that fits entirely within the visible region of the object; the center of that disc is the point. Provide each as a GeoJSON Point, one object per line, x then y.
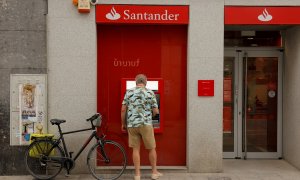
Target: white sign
{"type": "Point", "coordinates": [28, 107]}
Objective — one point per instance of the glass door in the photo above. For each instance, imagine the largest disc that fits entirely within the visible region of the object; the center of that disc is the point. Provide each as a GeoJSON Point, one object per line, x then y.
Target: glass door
{"type": "Point", "coordinates": [252, 112]}
{"type": "Point", "coordinates": [262, 122]}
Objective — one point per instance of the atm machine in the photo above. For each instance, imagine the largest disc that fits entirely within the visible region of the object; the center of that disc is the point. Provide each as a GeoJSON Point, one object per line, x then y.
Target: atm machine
{"type": "Point", "coordinates": [156, 85]}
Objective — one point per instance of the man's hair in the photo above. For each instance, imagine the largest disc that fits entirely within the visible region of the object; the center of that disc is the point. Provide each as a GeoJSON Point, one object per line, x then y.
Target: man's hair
{"type": "Point", "coordinates": [141, 79]}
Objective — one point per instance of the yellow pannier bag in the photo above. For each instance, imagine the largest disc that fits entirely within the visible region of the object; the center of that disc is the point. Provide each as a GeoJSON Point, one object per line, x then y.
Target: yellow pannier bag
{"type": "Point", "coordinates": [43, 147]}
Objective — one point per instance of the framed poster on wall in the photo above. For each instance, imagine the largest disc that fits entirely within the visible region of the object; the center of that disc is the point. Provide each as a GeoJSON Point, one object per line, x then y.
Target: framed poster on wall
{"type": "Point", "coordinates": [28, 107]}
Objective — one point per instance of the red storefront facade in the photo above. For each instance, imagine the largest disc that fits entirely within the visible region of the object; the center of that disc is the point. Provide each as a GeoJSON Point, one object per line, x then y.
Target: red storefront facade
{"type": "Point", "coordinates": [150, 40]}
{"type": "Point", "coordinates": [180, 44]}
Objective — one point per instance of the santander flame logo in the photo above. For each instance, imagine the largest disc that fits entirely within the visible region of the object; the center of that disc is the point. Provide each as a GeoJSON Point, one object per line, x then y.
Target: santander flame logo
{"type": "Point", "coordinates": [113, 15]}
{"type": "Point", "coordinates": [265, 16]}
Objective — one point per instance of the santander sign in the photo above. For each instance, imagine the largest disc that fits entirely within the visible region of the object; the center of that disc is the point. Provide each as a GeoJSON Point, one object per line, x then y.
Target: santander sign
{"type": "Point", "coordinates": [269, 15]}
{"type": "Point", "coordinates": [142, 14]}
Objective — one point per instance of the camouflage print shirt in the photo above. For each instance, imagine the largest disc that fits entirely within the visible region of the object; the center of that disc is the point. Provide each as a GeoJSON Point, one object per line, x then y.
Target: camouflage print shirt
{"type": "Point", "coordinates": [139, 102]}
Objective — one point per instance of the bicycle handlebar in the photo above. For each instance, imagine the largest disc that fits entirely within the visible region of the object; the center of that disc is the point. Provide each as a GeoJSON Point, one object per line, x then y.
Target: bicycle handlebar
{"type": "Point", "coordinates": [95, 116]}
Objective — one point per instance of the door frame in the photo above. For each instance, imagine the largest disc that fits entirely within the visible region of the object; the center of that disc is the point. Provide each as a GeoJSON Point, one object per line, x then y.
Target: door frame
{"type": "Point", "coordinates": [238, 53]}
{"type": "Point", "coordinates": [234, 53]}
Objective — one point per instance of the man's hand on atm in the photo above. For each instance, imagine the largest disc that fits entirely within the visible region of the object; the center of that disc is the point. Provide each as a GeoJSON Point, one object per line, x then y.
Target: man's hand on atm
{"type": "Point", "coordinates": [124, 127]}
{"type": "Point", "coordinates": [155, 111]}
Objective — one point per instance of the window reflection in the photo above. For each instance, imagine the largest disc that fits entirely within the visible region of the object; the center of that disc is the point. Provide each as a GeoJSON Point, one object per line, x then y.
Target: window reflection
{"type": "Point", "coordinates": [228, 104]}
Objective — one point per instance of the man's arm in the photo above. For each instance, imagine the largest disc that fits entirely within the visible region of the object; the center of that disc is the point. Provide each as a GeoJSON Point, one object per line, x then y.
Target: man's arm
{"type": "Point", "coordinates": [123, 116]}
{"type": "Point", "coordinates": [154, 105]}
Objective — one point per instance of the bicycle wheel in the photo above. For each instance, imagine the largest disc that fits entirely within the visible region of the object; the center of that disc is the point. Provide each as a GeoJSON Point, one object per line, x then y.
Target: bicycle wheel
{"type": "Point", "coordinates": [107, 161]}
{"type": "Point", "coordinates": [40, 164]}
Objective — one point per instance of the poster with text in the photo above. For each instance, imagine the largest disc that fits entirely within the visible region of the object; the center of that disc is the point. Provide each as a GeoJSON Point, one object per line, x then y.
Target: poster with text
{"type": "Point", "coordinates": [28, 107]}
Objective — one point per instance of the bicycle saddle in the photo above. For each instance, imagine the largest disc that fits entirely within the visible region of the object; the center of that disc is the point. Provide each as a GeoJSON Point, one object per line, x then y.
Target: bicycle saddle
{"type": "Point", "coordinates": [57, 121]}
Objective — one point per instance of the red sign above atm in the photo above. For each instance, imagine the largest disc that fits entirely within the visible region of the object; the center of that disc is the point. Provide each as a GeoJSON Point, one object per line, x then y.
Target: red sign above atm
{"type": "Point", "coordinates": [262, 15]}
{"type": "Point", "coordinates": [140, 14]}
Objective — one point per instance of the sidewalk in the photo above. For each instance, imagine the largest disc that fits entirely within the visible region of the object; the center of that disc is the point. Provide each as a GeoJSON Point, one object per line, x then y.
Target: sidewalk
{"type": "Point", "coordinates": [233, 170]}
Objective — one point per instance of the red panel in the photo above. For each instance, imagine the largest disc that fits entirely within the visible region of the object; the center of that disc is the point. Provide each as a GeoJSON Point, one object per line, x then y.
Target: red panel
{"type": "Point", "coordinates": [159, 52]}
{"type": "Point", "coordinates": [206, 88]}
{"type": "Point", "coordinates": [141, 14]}
{"type": "Point", "coordinates": [262, 15]}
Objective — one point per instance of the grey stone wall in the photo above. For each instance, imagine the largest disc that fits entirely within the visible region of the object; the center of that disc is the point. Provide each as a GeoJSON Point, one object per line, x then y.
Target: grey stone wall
{"type": "Point", "coordinates": [22, 51]}
{"type": "Point", "coordinates": [291, 97]}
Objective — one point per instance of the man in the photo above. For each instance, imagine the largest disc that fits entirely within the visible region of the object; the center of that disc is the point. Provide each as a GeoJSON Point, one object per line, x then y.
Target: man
{"type": "Point", "coordinates": [140, 105]}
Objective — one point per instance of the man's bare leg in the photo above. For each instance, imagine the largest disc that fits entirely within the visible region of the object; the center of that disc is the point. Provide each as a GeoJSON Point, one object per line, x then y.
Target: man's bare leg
{"type": "Point", "coordinates": [136, 160]}
{"type": "Point", "coordinates": [153, 160]}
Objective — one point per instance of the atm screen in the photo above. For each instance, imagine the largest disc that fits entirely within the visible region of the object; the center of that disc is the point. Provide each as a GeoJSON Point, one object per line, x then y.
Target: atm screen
{"type": "Point", "coordinates": [153, 85]}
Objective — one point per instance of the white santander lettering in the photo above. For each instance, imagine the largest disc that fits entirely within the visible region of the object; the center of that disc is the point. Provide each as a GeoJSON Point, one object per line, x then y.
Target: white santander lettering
{"type": "Point", "coordinates": [126, 17]}
{"type": "Point", "coordinates": [166, 16]}
{"type": "Point", "coordinates": [156, 17]}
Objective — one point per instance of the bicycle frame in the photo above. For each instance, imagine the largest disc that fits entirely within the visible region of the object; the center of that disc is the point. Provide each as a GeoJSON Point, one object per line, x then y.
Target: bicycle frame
{"type": "Point", "coordinates": [46, 157]}
{"type": "Point", "coordinates": [61, 139]}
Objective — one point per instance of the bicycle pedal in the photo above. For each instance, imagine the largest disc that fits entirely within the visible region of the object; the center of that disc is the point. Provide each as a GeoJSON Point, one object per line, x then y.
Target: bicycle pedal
{"type": "Point", "coordinates": [70, 153]}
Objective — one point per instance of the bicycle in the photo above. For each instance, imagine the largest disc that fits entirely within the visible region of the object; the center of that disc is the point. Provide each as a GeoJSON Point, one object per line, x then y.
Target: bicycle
{"type": "Point", "coordinates": [45, 158]}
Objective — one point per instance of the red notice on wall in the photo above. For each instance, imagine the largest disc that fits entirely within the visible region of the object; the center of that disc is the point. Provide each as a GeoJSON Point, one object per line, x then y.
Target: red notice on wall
{"type": "Point", "coordinates": [205, 87]}
{"type": "Point", "coordinates": [141, 14]}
